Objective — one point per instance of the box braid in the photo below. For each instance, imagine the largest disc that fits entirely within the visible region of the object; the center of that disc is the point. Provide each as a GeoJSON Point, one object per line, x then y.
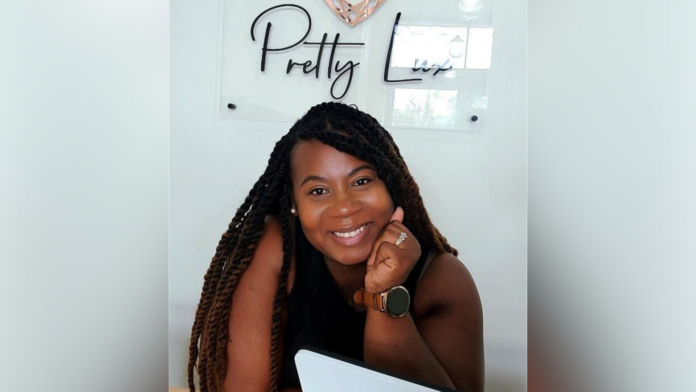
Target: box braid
{"type": "Point", "coordinates": [346, 129]}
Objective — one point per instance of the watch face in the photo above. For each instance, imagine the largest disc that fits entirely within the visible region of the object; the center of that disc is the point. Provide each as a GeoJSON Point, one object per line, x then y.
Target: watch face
{"type": "Point", "coordinates": [398, 301]}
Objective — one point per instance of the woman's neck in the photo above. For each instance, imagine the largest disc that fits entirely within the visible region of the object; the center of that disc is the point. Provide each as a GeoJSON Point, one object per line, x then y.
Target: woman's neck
{"type": "Point", "coordinates": [349, 278]}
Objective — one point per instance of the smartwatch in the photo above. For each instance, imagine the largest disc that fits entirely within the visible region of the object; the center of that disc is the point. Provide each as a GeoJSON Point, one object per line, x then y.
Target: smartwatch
{"type": "Point", "coordinates": [394, 301]}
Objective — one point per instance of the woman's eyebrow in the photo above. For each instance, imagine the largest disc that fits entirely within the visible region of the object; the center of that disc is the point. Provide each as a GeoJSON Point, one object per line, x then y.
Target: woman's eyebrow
{"type": "Point", "coordinates": [319, 178]}
{"type": "Point", "coordinates": [357, 169]}
{"type": "Point", "coordinates": [312, 178]}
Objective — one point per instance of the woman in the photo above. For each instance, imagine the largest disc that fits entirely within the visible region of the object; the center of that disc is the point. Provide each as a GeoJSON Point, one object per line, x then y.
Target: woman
{"type": "Point", "coordinates": [335, 217]}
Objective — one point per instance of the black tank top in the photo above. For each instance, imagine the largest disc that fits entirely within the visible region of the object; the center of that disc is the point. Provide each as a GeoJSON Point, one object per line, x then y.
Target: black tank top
{"type": "Point", "coordinates": [318, 315]}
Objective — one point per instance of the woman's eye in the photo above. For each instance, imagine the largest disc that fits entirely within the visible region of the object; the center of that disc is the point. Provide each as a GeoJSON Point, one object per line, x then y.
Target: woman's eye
{"type": "Point", "coordinates": [318, 191]}
{"type": "Point", "coordinates": [362, 181]}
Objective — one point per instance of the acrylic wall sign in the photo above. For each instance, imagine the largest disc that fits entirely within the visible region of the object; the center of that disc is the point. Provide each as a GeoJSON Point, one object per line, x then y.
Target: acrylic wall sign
{"type": "Point", "coordinates": [354, 13]}
{"type": "Point", "coordinates": [421, 67]}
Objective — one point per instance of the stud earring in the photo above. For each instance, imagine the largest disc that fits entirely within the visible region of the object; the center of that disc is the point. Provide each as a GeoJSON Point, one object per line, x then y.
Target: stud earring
{"type": "Point", "coordinates": [293, 211]}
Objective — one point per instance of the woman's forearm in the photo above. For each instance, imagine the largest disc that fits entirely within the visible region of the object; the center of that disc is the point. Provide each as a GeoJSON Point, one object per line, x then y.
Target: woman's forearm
{"type": "Point", "coordinates": [394, 344]}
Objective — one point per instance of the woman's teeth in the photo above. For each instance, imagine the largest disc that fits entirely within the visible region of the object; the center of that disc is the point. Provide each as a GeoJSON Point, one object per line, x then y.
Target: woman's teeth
{"type": "Point", "coordinates": [351, 234]}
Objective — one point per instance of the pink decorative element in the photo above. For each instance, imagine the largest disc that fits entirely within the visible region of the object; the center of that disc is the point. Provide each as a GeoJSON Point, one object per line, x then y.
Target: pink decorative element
{"type": "Point", "coordinates": [354, 13]}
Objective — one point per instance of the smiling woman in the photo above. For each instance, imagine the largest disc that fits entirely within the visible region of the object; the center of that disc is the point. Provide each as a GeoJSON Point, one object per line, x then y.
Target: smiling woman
{"type": "Point", "coordinates": [341, 202]}
{"type": "Point", "coordinates": [328, 249]}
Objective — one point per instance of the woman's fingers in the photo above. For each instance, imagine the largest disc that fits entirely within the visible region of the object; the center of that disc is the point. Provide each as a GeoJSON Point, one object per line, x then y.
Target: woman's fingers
{"type": "Point", "coordinates": [389, 254]}
{"type": "Point", "coordinates": [388, 234]}
{"type": "Point", "coordinates": [389, 264]}
{"type": "Point", "coordinates": [388, 270]}
{"type": "Point", "coordinates": [398, 215]}
{"type": "Point", "coordinates": [397, 225]}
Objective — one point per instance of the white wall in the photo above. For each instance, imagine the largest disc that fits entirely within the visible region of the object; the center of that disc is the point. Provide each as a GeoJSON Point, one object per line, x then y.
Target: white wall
{"type": "Point", "coordinates": [475, 191]}
{"type": "Point", "coordinates": [84, 133]}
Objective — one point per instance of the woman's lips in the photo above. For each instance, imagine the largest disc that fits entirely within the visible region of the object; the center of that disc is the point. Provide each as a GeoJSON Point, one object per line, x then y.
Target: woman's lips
{"type": "Point", "coordinates": [354, 240]}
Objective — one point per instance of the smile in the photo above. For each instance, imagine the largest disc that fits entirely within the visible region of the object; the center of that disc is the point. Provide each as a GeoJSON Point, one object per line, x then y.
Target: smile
{"type": "Point", "coordinates": [349, 234]}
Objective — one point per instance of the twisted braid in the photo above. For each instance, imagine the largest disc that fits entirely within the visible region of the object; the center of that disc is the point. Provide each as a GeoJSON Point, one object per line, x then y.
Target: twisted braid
{"type": "Point", "coordinates": [280, 295]}
{"type": "Point", "coordinates": [219, 317]}
{"type": "Point", "coordinates": [346, 129]}
{"type": "Point", "coordinates": [212, 276]}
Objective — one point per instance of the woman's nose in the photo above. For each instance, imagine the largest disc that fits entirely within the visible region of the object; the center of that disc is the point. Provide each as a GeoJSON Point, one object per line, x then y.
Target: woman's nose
{"type": "Point", "coordinates": [346, 204]}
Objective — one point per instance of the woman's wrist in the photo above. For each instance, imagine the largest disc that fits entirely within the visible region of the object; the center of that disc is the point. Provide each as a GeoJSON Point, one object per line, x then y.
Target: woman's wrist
{"type": "Point", "coordinates": [373, 289]}
{"type": "Point", "coordinates": [378, 289]}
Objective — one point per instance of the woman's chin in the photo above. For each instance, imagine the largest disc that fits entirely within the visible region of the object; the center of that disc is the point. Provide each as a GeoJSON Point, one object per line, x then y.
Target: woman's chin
{"type": "Point", "coordinates": [352, 259]}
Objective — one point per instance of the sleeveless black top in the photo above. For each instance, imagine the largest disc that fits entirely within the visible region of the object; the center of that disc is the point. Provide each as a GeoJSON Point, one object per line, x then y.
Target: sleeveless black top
{"type": "Point", "coordinates": [319, 316]}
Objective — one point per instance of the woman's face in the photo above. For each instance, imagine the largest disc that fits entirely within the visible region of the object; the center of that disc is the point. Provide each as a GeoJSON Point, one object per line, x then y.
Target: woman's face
{"type": "Point", "coordinates": [341, 203]}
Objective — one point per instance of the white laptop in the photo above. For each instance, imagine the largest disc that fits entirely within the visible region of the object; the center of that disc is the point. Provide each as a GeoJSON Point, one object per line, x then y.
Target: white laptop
{"type": "Point", "coordinates": [322, 371]}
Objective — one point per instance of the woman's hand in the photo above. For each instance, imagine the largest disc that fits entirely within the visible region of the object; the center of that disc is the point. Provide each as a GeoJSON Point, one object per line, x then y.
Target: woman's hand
{"type": "Point", "coordinates": [389, 264]}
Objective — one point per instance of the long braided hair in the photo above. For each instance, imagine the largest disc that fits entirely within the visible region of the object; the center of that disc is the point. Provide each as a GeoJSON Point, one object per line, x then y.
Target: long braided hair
{"type": "Point", "coordinates": [346, 129]}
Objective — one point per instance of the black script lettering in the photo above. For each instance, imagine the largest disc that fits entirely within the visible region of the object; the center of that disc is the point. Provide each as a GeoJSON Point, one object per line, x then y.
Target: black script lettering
{"type": "Point", "coordinates": [304, 65]}
{"type": "Point", "coordinates": [333, 51]}
{"type": "Point", "coordinates": [389, 53]}
{"type": "Point", "coordinates": [350, 65]}
{"type": "Point", "coordinates": [439, 67]}
{"type": "Point", "coordinates": [308, 63]}
{"type": "Point", "coordinates": [265, 49]}
{"type": "Point", "coordinates": [424, 64]}
{"type": "Point", "coordinates": [308, 66]}
{"type": "Point", "coordinates": [334, 45]}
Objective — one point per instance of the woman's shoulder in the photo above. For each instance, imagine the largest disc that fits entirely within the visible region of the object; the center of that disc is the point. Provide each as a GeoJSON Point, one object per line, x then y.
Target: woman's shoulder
{"type": "Point", "coordinates": [269, 251]}
{"type": "Point", "coordinates": [445, 283]}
